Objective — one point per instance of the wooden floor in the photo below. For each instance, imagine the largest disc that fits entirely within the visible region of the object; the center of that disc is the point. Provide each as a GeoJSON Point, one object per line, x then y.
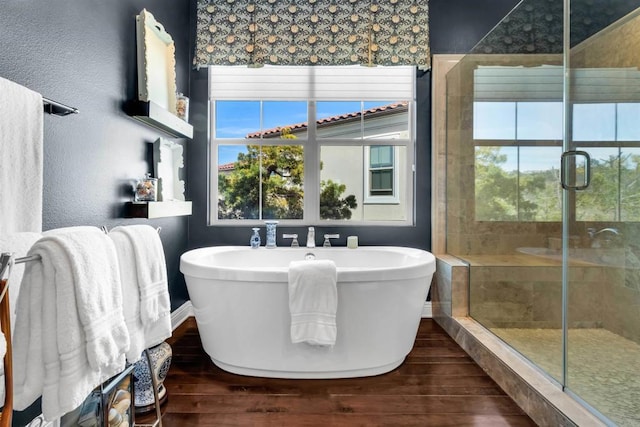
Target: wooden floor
{"type": "Point", "coordinates": [438, 385]}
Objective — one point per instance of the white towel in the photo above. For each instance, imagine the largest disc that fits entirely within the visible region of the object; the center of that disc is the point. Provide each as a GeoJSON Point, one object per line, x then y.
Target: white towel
{"type": "Point", "coordinates": [70, 330]}
{"type": "Point", "coordinates": [140, 337]}
{"type": "Point", "coordinates": [18, 244]}
{"type": "Point", "coordinates": [313, 301]}
{"type": "Point", "coordinates": [62, 230]}
{"type": "Point", "coordinates": [151, 270]}
{"type": "Point", "coordinates": [21, 159]}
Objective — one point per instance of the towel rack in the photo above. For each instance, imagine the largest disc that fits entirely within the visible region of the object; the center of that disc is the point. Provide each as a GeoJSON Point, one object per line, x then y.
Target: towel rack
{"type": "Point", "coordinates": [5, 325]}
{"type": "Point", "coordinates": [7, 260]}
{"type": "Point", "coordinates": [57, 109]}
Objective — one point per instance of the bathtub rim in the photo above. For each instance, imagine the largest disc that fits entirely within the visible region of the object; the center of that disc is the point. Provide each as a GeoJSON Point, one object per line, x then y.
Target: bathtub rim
{"type": "Point", "coordinates": [191, 264]}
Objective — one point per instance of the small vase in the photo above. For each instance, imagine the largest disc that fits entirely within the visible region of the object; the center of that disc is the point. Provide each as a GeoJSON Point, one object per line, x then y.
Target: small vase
{"type": "Point", "coordinates": [271, 234]}
{"type": "Point", "coordinates": [143, 391]}
{"type": "Point", "coordinates": [182, 107]}
{"type": "Point", "coordinates": [146, 189]}
{"type": "Point", "coordinates": [255, 238]}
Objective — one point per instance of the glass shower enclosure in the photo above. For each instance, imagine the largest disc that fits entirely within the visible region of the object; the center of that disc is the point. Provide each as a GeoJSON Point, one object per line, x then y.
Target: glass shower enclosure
{"type": "Point", "coordinates": [543, 193]}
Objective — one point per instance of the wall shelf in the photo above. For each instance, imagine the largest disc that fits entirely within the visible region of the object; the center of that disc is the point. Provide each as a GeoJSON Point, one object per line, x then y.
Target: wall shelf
{"type": "Point", "coordinates": [157, 117]}
{"type": "Point", "coordinates": [157, 209]}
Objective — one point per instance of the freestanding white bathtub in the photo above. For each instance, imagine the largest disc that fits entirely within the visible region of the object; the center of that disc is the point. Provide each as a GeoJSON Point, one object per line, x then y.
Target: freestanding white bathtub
{"type": "Point", "coordinates": [241, 304]}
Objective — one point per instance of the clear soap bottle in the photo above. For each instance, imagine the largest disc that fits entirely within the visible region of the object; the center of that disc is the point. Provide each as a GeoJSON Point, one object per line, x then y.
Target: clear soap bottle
{"type": "Point", "coordinates": [255, 238]}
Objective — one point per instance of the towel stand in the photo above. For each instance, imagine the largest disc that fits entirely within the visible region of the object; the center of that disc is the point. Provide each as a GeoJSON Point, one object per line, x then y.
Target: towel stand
{"type": "Point", "coordinates": [156, 398]}
{"type": "Point", "coordinates": [7, 260]}
{"type": "Point", "coordinates": [5, 319]}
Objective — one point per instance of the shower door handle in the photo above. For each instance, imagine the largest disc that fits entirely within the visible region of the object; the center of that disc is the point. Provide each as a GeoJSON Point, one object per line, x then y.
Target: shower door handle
{"type": "Point", "coordinates": [569, 168]}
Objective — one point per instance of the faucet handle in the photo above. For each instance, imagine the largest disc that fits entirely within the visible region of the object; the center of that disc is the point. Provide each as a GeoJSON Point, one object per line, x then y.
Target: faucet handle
{"type": "Point", "coordinates": [327, 243]}
{"type": "Point", "coordinates": [294, 242]}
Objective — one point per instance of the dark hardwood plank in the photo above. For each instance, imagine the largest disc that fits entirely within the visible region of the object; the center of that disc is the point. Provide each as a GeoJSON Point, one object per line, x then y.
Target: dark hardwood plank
{"type": "Point", "coordinates": [443, 385]}
{"type": "Point", "coordinates": [332, 404]}
{"type": "Point", "coordinates": [343, 420]}
{"type": "Point", "coordinates": [437, 385]}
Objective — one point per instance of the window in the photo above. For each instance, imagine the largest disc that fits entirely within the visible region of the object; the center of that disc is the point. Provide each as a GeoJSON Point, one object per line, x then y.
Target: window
{"type": "Point", "coordinates": [517, 173]}
{"type": "Point", "coordinates": [381, 171]}
{"type": "Point", "coordinates": [517, 160]}
{"type": "Point", "coordinates": [266, 140]}
{"type": "Point", "coordinates": [518, 135]}
{"type": "Point", "coordinates": [381, 181]}
{"type": "Point", "coordinates": [609, 132]}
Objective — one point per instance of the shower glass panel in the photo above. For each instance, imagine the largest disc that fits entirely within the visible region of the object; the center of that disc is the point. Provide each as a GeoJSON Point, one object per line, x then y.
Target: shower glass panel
{"type": "Point", "coordinates": [603, 348]}
{"type": "Point", "coordinates": [554, 273]}
{"type": "Point", "coordinates": [504, 215]}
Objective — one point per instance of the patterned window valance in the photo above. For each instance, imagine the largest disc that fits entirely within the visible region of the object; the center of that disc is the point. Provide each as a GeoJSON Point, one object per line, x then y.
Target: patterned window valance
{"type": "Point", "coordinates": [312, 32]}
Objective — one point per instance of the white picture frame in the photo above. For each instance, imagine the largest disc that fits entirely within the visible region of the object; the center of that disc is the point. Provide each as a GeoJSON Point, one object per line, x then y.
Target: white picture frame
{"type": "Point", "coordinates": [156, 62]}
{"type": "Point", "coordinates": [168, 160]}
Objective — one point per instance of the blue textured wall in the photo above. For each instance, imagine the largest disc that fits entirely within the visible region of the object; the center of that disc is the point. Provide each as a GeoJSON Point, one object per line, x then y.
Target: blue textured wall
{"type": "Point", "coordinates": [83, 53]}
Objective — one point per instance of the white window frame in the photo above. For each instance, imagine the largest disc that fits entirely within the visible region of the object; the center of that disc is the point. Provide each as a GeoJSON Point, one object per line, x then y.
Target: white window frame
{"type": "Point", "coordinates": [312, 146]}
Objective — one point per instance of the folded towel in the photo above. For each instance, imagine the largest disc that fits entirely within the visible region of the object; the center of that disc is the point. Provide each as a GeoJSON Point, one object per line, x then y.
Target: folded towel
{"type": "Point", "coordinates": [140, 337]}
{"type": "Point", "coordinates": [62, 230]}
{"type": "Point", "coordinates": [70, 330]}
{"type": "Point", "coordinates": [313, 301]}
{"type": "Point", "coordinates": [21, 121]}
{"type": "Point", "coordinates": [151, 270]}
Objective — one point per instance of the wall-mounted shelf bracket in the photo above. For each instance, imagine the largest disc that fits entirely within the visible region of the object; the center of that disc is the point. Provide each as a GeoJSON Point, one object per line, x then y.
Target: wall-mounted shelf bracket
{"type": "Point", "coordinates": [155, 116]}
{"type": "Point", "coordinates": [157, 209]}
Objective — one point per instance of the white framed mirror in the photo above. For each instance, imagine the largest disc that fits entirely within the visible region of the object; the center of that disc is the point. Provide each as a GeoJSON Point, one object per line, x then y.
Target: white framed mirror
{"type": "Point", "coordinates": [156, 62]}
{"type": "Point", "coordinates": [168, 160]}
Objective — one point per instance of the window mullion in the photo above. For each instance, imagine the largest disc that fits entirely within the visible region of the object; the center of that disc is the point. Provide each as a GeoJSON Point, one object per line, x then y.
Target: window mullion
{"type": "Point", "coordinates": [260, 195]}
{"type": "Point", "coordinates": [311, 168]}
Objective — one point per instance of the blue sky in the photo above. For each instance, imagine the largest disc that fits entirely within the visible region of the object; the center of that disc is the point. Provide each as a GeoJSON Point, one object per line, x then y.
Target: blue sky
{"type": "Point", "coordinates": [236, 119]}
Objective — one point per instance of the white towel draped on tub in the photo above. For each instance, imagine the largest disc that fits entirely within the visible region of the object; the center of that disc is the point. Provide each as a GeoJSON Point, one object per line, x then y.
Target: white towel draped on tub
{"type": "Point", "coordinates": [152, 333]}
{"type": "Point", "coordinates": [70, 331]}
{"type": "Point", "coordinates": [21, 160]}
{"type": "Point", "coordinates": [313, 301]}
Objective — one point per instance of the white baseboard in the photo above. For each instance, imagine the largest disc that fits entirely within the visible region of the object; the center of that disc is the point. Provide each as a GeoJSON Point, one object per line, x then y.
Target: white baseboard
{"type": "Point", "coordinates": [181, 314]}
{"type": "Point", "coordinates": [426, 310]}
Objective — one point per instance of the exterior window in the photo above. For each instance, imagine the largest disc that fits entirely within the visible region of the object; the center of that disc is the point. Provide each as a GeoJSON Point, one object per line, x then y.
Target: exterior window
{"type": "Point", "coordinates": [517, 160]}
{"type": "Point", "coordinates": [340, 156]}
{"type": "Point", "coordinates": [383, 164]}
{"type": "Point", "coordinates": [381, 171]}
{"type": "Point", "coordinates": [518, 138]}
{"type": "Point", "coordinates": [260, 170]}
{"type": "Point", "coordinates": [517, 163]}
{"type": "Point", "coordinates": [264, 148]}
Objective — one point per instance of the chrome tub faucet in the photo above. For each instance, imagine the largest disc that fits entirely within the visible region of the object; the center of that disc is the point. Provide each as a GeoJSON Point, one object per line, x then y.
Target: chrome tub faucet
{"type": "Point", "coordinates": [294, 239]}
{"type": "Point", "coordinates": [327, 243]}
{"type": "Point", "coordinates": [311, 237]}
